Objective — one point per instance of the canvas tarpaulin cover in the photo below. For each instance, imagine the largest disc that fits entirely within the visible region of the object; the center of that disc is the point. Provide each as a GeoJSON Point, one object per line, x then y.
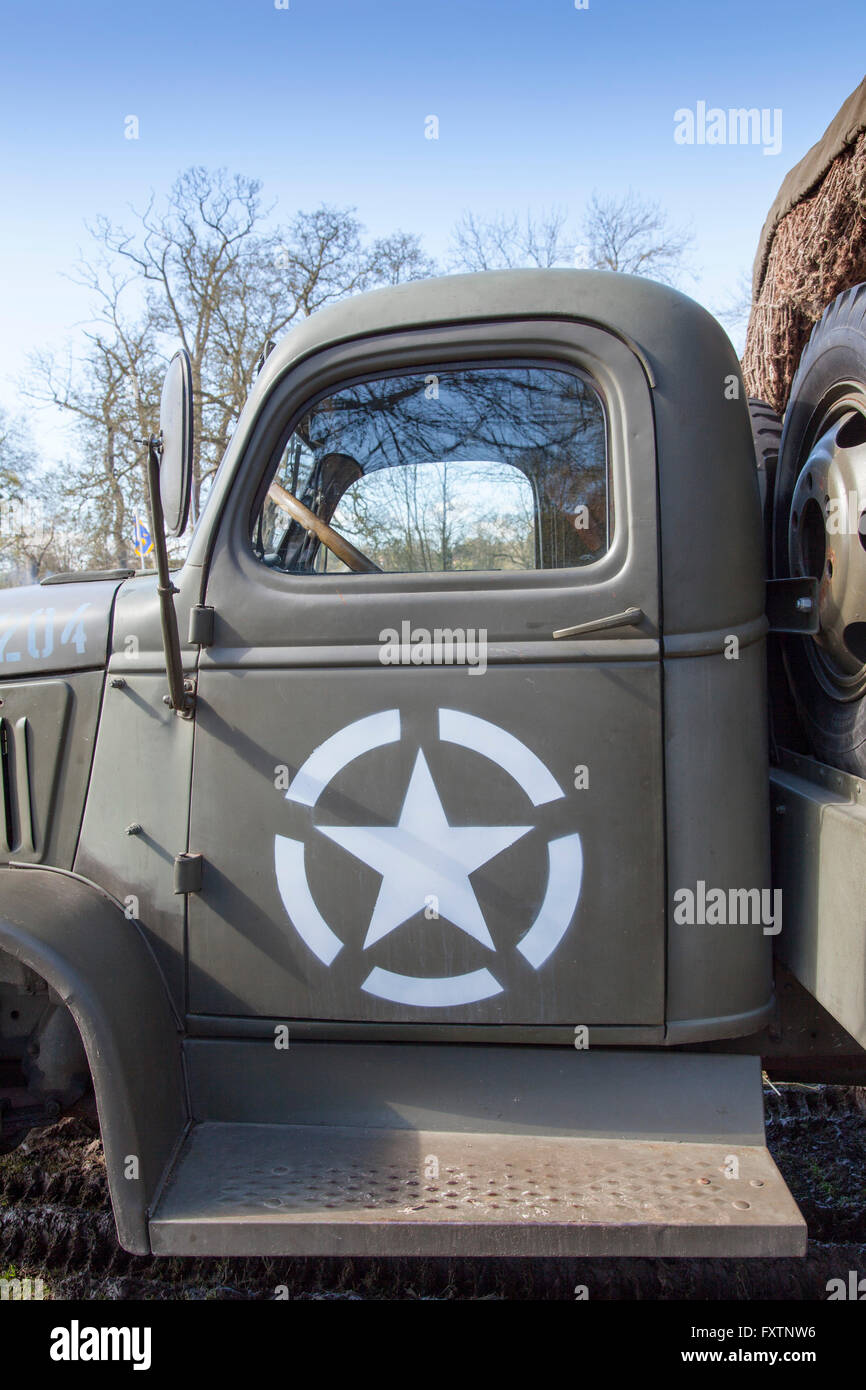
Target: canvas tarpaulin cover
{"type": "Point", "coordinates": [812, 247]}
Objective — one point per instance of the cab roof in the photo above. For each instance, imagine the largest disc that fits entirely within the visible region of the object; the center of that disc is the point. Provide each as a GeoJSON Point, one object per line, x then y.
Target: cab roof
{"type": "Point", "coordinates": [648, 315]}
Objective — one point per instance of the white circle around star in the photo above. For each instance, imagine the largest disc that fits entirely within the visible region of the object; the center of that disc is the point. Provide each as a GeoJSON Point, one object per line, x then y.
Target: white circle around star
{"type": "Point", "coordinates": [424, 859]}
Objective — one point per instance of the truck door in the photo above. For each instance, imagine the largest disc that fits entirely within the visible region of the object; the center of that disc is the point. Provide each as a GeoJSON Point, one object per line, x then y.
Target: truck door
{"type": "Point", "coordinates": [416, 804]}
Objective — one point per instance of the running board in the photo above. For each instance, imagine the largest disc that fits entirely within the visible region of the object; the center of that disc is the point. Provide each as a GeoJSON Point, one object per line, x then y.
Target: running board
{"type": "Point", "coordinates": [484, 1151]}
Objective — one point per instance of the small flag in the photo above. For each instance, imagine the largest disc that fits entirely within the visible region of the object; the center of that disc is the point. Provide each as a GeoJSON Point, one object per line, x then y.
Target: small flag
{"type": "Point", "coordinates": [141, 539]}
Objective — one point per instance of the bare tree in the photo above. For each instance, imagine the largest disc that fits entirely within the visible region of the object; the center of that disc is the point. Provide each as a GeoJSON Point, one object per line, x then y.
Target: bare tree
{"type": "Point", "coordinates": [634, 237]}
{"type": "Point", "coordinates": [625, 234]}
{"type": "Point", "coordinates": [222, 284]}
{"type": "Point", "coordinates": [17, 456]}
{"type": "Point", "coordinates": [110, 411]}
{"type": "Point", "coordinates": [735, 309]}
{"type": "Point", "coordinates": [209, 284]}
{"type": "Point", "coordinates": [505, 242]}
{"type": "Point", "coordinates": [324, 258]}
{"type": "Point", "coordinates": [33, 537]}
{"type": "Point", "coordinates": [205, 269]}
{"type": "Point", "coordinates": [111, 395]}
{"type": "Point", "coordinates": [399, 257]}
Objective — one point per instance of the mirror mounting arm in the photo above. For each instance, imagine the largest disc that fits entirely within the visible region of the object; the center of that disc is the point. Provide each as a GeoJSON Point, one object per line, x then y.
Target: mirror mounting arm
{"type": "Point", "coordinates": [180, 691]}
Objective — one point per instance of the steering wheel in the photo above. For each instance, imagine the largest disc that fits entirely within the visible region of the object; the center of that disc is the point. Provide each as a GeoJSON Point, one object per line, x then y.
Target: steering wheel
{"type": "Point", "coordinates": [337, 544]}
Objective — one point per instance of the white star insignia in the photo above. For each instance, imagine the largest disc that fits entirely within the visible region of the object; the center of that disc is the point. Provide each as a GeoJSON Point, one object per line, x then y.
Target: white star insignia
{"type": "Point", "coordinates": [422, 857]}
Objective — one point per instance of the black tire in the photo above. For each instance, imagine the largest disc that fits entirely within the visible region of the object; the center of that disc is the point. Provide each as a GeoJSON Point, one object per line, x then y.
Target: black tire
{"type": "Point", "coordinates": [823, 451]}
{"type": "Point", "coordinates": [767, 436]}
{"type": "Point", "coordinates": [783, 725]}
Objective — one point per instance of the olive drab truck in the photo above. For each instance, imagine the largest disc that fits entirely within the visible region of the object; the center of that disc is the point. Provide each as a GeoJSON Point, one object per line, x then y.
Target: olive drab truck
{"type": "Point", "coordinates": [408, 870]}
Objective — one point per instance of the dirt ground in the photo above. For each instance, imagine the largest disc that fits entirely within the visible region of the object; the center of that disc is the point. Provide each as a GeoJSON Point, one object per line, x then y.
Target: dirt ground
{"type": "Point", "coordinates": [56, 1224]}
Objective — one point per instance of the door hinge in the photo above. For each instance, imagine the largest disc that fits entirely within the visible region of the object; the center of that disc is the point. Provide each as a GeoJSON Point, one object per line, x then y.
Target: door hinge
{"type": "Point", "coordinates": [201, 625]}
{"type": "Point", "coordinates": [188, 873]}
{"type": "Point", "coordinates": [792, 605]}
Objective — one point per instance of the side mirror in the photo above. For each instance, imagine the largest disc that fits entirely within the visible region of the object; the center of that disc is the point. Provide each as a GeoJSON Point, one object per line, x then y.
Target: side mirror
{"type": "Point", "coordinates": [169, 482]}
{"type": "Point", "coordinates": [176, 434]}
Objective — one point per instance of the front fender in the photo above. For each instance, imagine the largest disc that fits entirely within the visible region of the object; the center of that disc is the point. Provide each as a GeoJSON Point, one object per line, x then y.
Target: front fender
{"type": "Point", "coordinates": [78, 939]}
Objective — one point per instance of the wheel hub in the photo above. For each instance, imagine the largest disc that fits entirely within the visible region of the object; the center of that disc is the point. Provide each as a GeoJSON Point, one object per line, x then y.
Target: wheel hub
{"type": "Point", "coordinates": [827, 540]}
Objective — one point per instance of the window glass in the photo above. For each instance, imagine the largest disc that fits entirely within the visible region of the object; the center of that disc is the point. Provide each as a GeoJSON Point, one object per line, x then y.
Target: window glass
{"type": "Point", "coordinates": [468, 468]}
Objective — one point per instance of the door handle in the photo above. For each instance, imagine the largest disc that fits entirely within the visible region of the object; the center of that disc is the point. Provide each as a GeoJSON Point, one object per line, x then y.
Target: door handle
{"type": "Point", "coordinates": [630, 618]}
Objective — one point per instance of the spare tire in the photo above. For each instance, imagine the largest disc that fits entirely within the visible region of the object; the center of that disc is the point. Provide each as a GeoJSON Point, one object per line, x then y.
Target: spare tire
{"type": "Point", "coordinates": [819, 529]}
{"type": "Point", "coordinates": [783, 726]}
{"type": "Point", "coordinates": [766, 435]}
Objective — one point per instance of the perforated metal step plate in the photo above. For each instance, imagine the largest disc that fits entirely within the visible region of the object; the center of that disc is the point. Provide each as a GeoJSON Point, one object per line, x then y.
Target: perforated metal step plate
{"type": "Point", "coordinates": [255, 1189]}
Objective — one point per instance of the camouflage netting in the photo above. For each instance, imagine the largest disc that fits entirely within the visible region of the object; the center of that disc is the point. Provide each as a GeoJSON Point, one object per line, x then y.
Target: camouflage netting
{"type": "Point", "coordinates": [812, 248]}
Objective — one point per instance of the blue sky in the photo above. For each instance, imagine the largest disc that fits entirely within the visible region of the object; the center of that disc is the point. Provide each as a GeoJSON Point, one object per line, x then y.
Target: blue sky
{"type": "Point", "coordinates": [539, 104]}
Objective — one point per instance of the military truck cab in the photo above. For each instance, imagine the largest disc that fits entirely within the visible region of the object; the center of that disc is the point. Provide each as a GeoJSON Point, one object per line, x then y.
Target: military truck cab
{"type": "Point", "coordinates": [406, 871]}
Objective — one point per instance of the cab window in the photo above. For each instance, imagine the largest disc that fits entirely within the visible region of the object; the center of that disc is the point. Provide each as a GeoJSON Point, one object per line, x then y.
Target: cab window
{"type": "Point", "coordinates": [461, 468]}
